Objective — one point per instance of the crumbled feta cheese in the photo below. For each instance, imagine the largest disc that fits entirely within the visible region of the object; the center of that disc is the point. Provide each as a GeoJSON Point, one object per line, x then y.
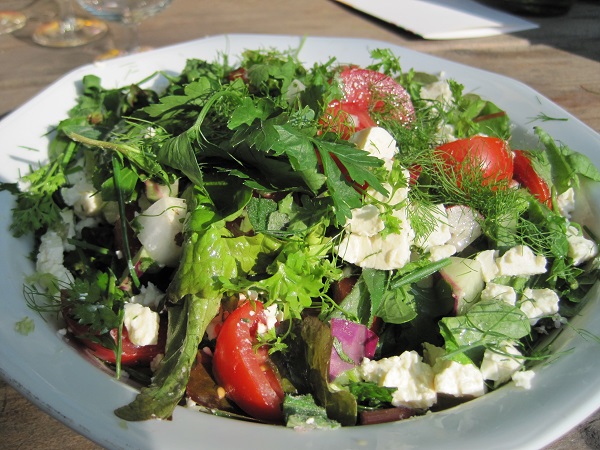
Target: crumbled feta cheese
{"type": "Point", "coordinates": [440, 234]}
{"type": "Point", "coordinates": [50, 259]}
{"type": "Point", "coordinates": [377, 141]}
{"type": "Point", "coordinates": [149, 296]}
{"type": "Point", "coordinates": [581, 249]}
{"type": "Point", "coordinates": [412, 378]}
{"type": "Point", "coordinates": [538, 303]}
{"type": "Point", "coordinates": [142, 324]}
{"type": "Point", "coordinates": [520, 261]}
{"type": "Point", "coordinates": [295, 87]}
{"type": "Point", "coordinates": [377, 252]}
{"type": "Point", "coordinates": [465, 227]}
{"type": "Point", "coordinates": [272, 316]}
{"type": "Point", "coordinates": [365, 221]}
{"type": "Point", "coordinates": [499, 364]}
{"type": "Point", "coordinates": [396, 195]}
{"type": "Point", "coordinates": [81, 195]}
{"type": "Point", "coordinates": [438, 91]}
{"type": "Point", "coordinates": [439, 252]}
{"type": "Point", "coordinates": [161, 223]}
{"type": "Point", "coordinates": [86, 222]}
{"type": "Point", "coordinates": [487, 259]}
{"type": "Point", "coordinates": [23, 185]}
{"type": "Point", "coordinates": [523, 378]}
{"type": "Point", "coordinates": [500, 292]}
{"type": "Point", "coordinates": [566, 202]}
{"type": "Point", "coordinates": [458, 380]}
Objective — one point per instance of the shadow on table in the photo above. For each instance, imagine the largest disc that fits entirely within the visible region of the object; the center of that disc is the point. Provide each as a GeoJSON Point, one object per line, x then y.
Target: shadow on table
{"type": "Point", "coordinates": [576, 32]}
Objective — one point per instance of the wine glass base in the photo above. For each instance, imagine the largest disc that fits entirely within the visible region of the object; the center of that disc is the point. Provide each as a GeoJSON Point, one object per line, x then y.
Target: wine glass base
{"type": "Point", "coordinates": [70, 34]}
{"type": "Point", "coordinates": [116, 53]}
{"type": "Point", "coordinates": [11, 21]}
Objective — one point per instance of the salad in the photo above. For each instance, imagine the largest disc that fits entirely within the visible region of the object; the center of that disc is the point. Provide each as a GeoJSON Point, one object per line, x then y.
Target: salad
{"type": "Point", "coordinates": [315, 246]}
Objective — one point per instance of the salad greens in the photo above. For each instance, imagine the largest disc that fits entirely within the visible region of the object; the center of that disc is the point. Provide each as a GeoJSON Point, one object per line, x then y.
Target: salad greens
{"type": "Point", "coordinates": [239, 182]}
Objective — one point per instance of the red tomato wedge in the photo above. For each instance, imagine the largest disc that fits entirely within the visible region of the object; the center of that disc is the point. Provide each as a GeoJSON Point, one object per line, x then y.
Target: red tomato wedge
{"type": "Point", "coordinates": [131, 354]}
{"type": "Point", "coordinates": [526, 175]}
{"type": "Point", "coordinates": [365, 92]}
{"type": "Point", "coordinates": [243, 370]}
{"type": "Point", "coordinates": [490, 155]}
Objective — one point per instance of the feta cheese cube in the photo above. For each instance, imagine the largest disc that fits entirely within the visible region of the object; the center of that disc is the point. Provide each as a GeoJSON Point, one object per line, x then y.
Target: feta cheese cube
{"type": "Point", "coordinates": [365, 221]}
{"type": "Point", "coordinates": [458, 380]}
{"type": "Point", "coordinates": [50, 260]}
{"type": "Point", "coordinates": [412, 378]}
{"type": "Point", "coordinates": [581, 249]}
{"type": "Point", "coordinates": [82, 195]}
{"type": "Point", "coordinates": [142, 324]}
{"type": "Point", "coordinates": [149, 296]}
{"type": "Point", "coordinates": [523, 378]}
{"type": "Point", "coordinates": [160, 225]}
{"type": "Point", "coordinates": [377, 252]}
{"type": "Point", "coordinates": [377, 141]}
{"type": "Point", "coordinates": [439, 252]}
{"type": "Point", "coordinates": [499, 364]}
{"type": "Point", "coordinates": [441, 230]}
{"type": "Point", "coordinates": [520, 261]}
{"type": "Point", "coordinates": [465, 227]}
{"type": "Point", "coordinates": [538, 303]}
{"type": "Point", "coordinates": [487, 259]}
{"type": "Point", "coordinates": [566, 202]}
{"type": "Point", "coordinates": [493, 291]}
{"type": "Point", "coordinates": [438, 91]}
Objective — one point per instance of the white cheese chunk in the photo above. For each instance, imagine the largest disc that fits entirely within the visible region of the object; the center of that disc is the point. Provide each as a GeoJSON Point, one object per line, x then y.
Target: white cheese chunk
{"type": "Point", "coordinates": [465, 227]}
{"type": "Point", "coordinates": [566, 202]}
{"type": "Point", "coordinates": [581, 249]}
{"type": "Point", "coordinates": [438, 91]}
{"type": "Point", "coordinates": [500, 364]}
{"type": "Point", "coordinates": [160, 225]}
{"type": "Point", "coordinates": [538, 303]}
{"type": "Point", "coordinates": [458, 380]}
{"type": "Point", "coordinates": [412, 378]}
{"type": "Point", "coordinates": [142, 324]}
{"type": "Point", "coordinates": [365, 221]}
{"type": "Point", "coordinates": [487, 259]}
{"type": "Point", "coordinates": [441, 230]}
{"type": "Point", "coordinates": [523, 378]}
{"type": "Point", "coordinates": [377, 252]}
{"type": "Point", "coordinates": [439, 252]}
{"type": "Point", "coordinates": [149, 296]}
{"type": "Point", "coordinates": [377, 141]}
{"type": "Point", "coordinates": [500, 292]}
{"type": "Point", "coordinates": [520, 261]}
{"type": "Point", "coordinates": [50, 259]}
{"type": "Point", "coordinates": [82, 195]}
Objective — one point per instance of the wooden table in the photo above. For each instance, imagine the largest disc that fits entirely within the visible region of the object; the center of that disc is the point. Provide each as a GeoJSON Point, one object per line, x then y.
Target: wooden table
{"type": "Point", "coordinates": [561, 60]}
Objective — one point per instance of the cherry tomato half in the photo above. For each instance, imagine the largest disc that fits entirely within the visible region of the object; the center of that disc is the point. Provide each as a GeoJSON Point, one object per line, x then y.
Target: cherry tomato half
{"type": "Point", "coordinates": [490, 155]}
{"type": "Point", "coordinates": [526, 175]}
{"type": "Point", "coordinates": [365, 92]}
{"type": "Point", "coordinates": [131, 354]}
{"type": "Point", "coordinates": [245, 371]}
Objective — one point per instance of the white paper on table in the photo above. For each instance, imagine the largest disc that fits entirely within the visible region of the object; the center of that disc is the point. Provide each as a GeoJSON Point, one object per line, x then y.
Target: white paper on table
{"type": "Point", "coordinates": [442, 19]}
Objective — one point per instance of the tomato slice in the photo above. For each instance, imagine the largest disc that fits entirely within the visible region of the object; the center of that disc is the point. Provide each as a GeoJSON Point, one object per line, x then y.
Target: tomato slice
{"type": "Point", "coordinates": [490, 155]}
{"type": "Point", "coordinates": [365, 92]}
{"type": "Point", "coordinates": [526, 175]}
{"type": "Point", "coordinates": [131, 354]}
{"type": "Point", "coordinates": [243, 370]}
